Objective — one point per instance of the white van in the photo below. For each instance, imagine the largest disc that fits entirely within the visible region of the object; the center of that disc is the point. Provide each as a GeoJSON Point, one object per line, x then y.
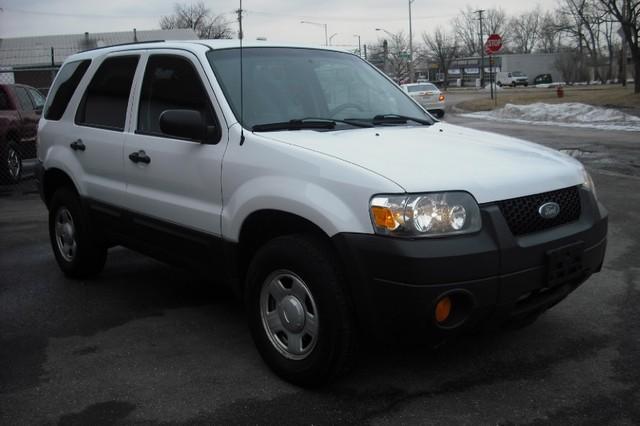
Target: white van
{"type": "Point", "coordinates": [329, 200]}
{"type": "Point", "coordinates": [512, 78]}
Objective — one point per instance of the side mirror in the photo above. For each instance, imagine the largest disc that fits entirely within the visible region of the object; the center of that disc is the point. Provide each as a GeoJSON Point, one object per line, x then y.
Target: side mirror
{"type": "Point", "coordinates": [185, 123]}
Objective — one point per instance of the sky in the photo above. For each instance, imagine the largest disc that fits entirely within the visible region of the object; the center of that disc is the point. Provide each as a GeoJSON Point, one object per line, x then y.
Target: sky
{"type": "Point", "coordinates": [277, 20]}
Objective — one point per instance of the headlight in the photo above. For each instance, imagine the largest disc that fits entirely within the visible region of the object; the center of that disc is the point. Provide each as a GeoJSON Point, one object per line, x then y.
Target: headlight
{"type": "Point", "coordinates": [588, 183]}
{"type": "Point", "coordinates": [425, 215]}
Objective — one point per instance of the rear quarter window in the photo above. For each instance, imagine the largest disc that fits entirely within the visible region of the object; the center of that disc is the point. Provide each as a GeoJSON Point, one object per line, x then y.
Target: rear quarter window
{"type": "Point", "coordinates": [63, 88]}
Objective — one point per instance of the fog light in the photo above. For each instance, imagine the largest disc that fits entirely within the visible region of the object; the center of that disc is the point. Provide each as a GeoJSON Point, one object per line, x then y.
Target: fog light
{"type": "Point", "coordinates": [443, 309]}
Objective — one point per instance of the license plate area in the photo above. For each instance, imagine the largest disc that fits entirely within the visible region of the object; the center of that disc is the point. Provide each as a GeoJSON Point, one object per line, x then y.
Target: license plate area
{"type": "Point", "coordinates": [565, 263]}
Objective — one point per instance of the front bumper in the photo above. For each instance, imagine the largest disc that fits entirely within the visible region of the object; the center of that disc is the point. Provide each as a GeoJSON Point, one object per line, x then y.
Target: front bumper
{"type": "Point", "coordinates": [397, 282]}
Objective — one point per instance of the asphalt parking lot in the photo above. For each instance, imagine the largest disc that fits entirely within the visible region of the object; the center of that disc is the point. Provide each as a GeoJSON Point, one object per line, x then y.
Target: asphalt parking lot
{"type": "Point", "coordinates": [147, 343]}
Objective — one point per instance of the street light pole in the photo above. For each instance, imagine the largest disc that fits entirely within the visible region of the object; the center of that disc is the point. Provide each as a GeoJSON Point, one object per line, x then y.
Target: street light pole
{"type": "Point", "coordinates": [411, 76]}
{"type": "Point", "coordinates": [326, 38]}
{"type": "Point", "coordinates": [359, 45]}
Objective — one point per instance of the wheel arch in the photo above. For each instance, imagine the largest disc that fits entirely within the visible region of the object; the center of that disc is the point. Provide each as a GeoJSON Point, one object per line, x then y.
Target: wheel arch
{"type": "Point", "coordinates": [53, 179]}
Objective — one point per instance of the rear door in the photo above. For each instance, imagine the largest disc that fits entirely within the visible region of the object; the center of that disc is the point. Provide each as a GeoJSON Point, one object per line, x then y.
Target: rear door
{"type": "Point", "coordinates": [28, 117]}
{"type": "Point", "coordinates": [181, 183]}
{"type": "Point", "coordinates": [100, 120]}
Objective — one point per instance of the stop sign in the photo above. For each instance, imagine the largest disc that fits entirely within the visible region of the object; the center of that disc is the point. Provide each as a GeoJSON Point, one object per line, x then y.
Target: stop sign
{"type": "Point", "coordinates": [493, 44]}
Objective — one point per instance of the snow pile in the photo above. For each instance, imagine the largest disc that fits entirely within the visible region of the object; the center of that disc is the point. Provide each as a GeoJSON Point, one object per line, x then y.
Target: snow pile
{"type": "Point", "coordinates": [567, 114]}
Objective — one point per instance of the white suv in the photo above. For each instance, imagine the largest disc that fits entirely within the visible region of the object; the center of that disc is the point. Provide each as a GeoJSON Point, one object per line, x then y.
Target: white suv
{"type": "Point", "coordinates": [309, 182]}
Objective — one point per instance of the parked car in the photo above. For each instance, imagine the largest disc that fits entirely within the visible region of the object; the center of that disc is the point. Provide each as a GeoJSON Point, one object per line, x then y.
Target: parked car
{"type": "Point", "coordinates": [543, 79]}
{"type": "Point", "coordinates": [20, 109]}
{"type": "Point", "coordinates": [318, 190]}
{"type": "Point", "coordinates": [427, 95]}
{"type": "Point", "coordinates": [513, 78]}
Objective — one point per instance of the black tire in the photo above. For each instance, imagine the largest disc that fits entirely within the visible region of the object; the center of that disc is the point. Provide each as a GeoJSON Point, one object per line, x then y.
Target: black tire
{"type": "Point", "coordinates": [10, 164]}
{"type": "Point", "coordinates": [499, 84]}
{"type": "Point", "coordinates": [88, 256]}
{"type": "Point", "coordinates": [440, 113]}
{"type": "Point", "coordinates": [312, 260]}
{"type": "Point", "coordinates": [514, 84]}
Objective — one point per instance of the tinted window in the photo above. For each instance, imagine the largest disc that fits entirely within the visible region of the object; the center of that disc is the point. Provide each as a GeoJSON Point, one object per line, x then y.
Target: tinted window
{"type": "Point", "coordinates": [4, 100]}
{"type": "Point", "coordinates": [23, 98]}
{"type": "Point", "coordinates": [63, 88]}
{"type": "Point", "coordinates": [105, 102]}
{"type": "Point", "coordinates": [38, 99]}
{"type": "Point", "coordinates": [170, 82]}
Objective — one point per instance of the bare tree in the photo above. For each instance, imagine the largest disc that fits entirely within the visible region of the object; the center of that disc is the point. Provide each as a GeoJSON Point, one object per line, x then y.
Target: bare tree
{"type": "Point", "coordinates": [627, 13]}
{"type": "Point", "coordinates": [199, 18]}
{"type": "Point", "coordinates": [443, 48]}
{"type": "Point", "coordinates": [571, 64]}
{"type": "Point", "coordinates": [587, 20]}
{"type": "Point", "coordinates": [467, 31]}
{"type": "Point", "coordinates": [497, 23]}
{"type": "Point", "coordinates": [526, 30]}
{"type": "Point", "coordinates": [550, 40]}
{"type": "Point", "coordinates": [398, 56]}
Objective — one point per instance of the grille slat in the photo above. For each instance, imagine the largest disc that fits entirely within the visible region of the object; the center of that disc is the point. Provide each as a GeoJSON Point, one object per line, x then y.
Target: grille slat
{"type": "Point", "coordinates": [522, 214]}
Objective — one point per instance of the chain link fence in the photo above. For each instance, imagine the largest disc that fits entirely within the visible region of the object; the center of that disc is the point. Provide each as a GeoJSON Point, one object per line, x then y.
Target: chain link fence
{"type": "Point", "coordinates": [25, 79]}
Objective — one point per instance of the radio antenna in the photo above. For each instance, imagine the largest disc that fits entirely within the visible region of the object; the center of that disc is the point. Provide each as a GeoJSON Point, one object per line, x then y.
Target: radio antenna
{"type": "Point", "coordinates": [241, 36]}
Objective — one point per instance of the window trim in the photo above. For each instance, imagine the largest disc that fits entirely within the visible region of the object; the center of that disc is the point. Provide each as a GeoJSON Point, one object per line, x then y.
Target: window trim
{"type": "Point", "coordinates": [215, 139]}
{"type": "Point", "coordinates": [83, 99]}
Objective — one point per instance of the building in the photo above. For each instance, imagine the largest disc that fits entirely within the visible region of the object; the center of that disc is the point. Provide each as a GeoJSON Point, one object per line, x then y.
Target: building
{"type": "Point", "coordinates": [34, 60]}
{"type": "Point", "coordinates": [532, 64]}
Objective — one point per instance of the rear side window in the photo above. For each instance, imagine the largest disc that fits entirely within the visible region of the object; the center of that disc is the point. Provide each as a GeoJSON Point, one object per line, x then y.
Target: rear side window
{"type": "Point", "coordinates": [63, 88]}
{"type": "Point", "coordinates": [23, 98]}
{"type": "Point", "coordinates": [4, 100]}
{"type": "Point", "coordinates": [105, 102]}
{"type": "Point", "coordinates": [38, 99]}
{"type": "Point", "coordinates": [171, 82]}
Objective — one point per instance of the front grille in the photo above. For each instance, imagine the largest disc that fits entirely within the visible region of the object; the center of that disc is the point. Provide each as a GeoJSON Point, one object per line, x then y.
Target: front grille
{"type": "Point", "coordinates": [522, 214]}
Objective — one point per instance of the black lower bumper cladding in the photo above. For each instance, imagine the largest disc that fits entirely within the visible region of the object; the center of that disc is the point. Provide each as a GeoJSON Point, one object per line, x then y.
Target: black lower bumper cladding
{"type": "Point", "coordinates": [498, 276]}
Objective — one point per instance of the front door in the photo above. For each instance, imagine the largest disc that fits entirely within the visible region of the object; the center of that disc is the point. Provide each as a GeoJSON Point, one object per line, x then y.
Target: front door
{"type": "Point", "coordinates": [175, 181]}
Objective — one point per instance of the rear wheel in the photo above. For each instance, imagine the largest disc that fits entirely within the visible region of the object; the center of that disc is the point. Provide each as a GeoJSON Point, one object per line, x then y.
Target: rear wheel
{"type": "Point", "coordinates": [77, 250]}
{"type": "Point", "coordinates": [11, 161]}
{"type": "Point", "coordinates": [298, 310]}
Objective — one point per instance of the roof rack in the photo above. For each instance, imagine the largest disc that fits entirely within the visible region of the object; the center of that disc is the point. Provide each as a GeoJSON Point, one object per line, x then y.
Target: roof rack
{"type": "Point", "coordinates": [122, 44]}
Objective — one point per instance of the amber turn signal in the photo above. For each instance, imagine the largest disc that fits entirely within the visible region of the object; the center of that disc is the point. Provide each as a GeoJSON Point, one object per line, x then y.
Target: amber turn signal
{"type": "Point", "coordinates": [443, 309]}
{"type": "Point", "coordinates": [441, 97]}
{"type": "Point", "coordinates": [383, 217]}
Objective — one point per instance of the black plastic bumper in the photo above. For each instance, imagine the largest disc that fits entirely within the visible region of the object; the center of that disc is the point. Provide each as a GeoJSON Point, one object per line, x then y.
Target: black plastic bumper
{"type": "Point", "coordinates": [397, 282]}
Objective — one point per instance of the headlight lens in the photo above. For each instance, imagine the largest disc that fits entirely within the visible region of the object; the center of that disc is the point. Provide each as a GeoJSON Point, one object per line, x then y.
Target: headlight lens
{"type": "Point", "coordinates": [425, 215]}
{"type": "Point", "coordinates": [588, 183]}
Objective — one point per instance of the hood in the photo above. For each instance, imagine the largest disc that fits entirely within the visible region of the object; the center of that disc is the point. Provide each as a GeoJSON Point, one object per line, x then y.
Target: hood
{"type": "Point", "coordinates": [445, 157]}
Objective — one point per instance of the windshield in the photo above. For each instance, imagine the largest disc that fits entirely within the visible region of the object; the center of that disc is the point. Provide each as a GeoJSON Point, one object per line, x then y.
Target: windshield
{"type": "Point", "coordinates": [421, 88]}
{"type": "Point", "coordinates": [517, 74]}
{"type": "Point", "coordinates": [283, 84]}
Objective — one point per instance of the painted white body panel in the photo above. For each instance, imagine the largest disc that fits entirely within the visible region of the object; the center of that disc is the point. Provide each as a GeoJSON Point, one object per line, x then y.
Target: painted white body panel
{"type": "Point", "coordinates": [444, 157]}
{"type": "Point", "coordinates": [327, 178]}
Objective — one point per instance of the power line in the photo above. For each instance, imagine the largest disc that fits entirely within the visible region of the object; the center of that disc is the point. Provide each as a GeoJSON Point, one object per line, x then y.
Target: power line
{"type": "Point", "coordinates": [344, 19]}
{"type": "Point", "coordinates": [79, 15]}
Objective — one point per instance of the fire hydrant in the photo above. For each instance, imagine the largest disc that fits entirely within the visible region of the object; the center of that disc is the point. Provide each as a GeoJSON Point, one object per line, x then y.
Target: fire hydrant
{"type": "Point", "coordinates": [560, 92]}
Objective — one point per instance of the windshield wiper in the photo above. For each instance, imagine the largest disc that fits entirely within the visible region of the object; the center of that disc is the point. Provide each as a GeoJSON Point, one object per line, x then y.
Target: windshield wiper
{"type": "Point", "coordinates": [307, 123]}
{"type": "Point", "coordinates": [399, 119]}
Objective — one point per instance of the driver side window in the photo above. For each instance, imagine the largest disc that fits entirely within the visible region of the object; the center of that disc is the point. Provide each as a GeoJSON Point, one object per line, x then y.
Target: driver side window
{"type": "Point", "coordinates": [171, 82]}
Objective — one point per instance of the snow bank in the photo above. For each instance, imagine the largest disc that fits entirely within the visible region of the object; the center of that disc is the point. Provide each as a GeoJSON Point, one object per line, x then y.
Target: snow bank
{"type": "Point", "coordinates": [567, 115]}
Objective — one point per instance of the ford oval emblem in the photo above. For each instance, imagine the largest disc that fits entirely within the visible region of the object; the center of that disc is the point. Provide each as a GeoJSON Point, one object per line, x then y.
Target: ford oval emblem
{"type": "Point", "coordinates": [549, 210]}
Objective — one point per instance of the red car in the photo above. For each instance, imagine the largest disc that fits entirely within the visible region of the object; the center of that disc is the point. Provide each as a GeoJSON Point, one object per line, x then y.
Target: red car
{"type": "Point", "coordinates": [20, 110]}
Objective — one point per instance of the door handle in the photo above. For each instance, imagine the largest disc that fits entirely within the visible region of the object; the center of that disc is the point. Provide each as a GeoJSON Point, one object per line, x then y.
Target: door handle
{"type": "Point", "coordinates": [140, 157]}
{"type": "Point", "coordinates": [78, 145]}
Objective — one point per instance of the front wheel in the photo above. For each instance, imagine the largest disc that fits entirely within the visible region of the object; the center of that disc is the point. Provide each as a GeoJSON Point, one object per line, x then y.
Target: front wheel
{"type": "Point", "coordinates": [77, 250]}
{"type": "Point", "coordinates": [299, 314]}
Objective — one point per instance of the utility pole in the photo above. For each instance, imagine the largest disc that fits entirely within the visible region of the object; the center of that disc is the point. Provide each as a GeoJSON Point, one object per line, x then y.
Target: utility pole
{"type": "Point", "coordinates": [359, 45]}
{"type": "Point", "coordinates": [326, 36]}
{"type": "Point", "coordinates": [239, 12]}
{"type": "Point", "coordinates": [411, 76]}
{"type": "Point", "coordinates": [480, 12]}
